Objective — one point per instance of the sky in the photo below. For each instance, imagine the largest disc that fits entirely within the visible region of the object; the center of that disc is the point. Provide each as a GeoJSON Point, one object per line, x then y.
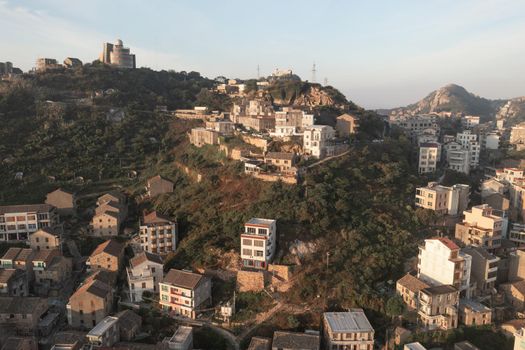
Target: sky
{"type": "Point", "coordinates": [380, 53]}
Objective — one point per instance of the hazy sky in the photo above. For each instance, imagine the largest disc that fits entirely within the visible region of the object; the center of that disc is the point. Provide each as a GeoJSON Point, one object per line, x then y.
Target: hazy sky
{"type": "Point", "coordinates": [380, 53]}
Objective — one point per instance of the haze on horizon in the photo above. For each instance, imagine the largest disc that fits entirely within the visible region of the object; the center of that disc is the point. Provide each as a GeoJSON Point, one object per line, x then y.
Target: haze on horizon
{"type": "Point", "coordinates": [380, 54]}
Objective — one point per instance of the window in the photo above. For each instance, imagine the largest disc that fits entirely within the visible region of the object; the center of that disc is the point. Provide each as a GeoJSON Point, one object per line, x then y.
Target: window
{"type": "Point", "coordinates": [247, 252]}
{"type": "Point", "coordinates": [164, 288]}
{"type": "Point", "coordinates": [247, 241]}
{"type": "Point", "coordinates": [259, 253]}
{"type": "Point", "coordinates": [143, 285]}
{"type": "Point", "coordinates": [258, 243]}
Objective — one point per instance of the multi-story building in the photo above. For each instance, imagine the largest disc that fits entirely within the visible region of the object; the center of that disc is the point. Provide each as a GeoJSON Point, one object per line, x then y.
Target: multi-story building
{"type": "Point", "coordinates": [64, 201]}
{"type": "Point", "coordinates": [51, 269]}
{"type": "Point", "coordinates": [428, 157]}
{"type": "Point", "coordinates": [517, 134]}
{"type": "Point", "coordinates": [295, 341]}
{"type": "Point", "coordinates": [470, 121]}
{"type": "Point", "coordinates": [45, 238]}
{"type": "Point", "coordinates": [13, 283]}
{"type": "Point", "coordinates": [72, 62]}
{"type": "Point", "coordinates": [223, 127]}
{"type": "Point", "coordinates": [347, 125]}
{"type": "Point", "coordinates": [117, 55]}
{"type": "Point", "coordinates": [480, 227]}
{"type": "Point", "coordinates": [484, 269]}
{"type": "Point", "coordinates": [110, 213]}
{"type": "Point", "coordinates": [517, 234]}
{"type": "Point", "coordinates": [158, 185]}
{"type": "Point", "coordinates": [182, 339]}
{"type": "Point", "coordinates": [490, 141]}
{"type": "Point", "coordinates": [416, 124]}
{"type": "Point", "coordinates": [18, 221]}
{"type": "Point", "coordinates": [458, 158]}
{"type": "Point", "coordinates": [516, 265]}
{"type": "Point", "coordinates": [290, 122]}
{"type": "Point", "coordinates": [184, 293]}
{"type": "Point", "coordinates": [145, 272]}
{"type": "Point", "coordinates": [408, 288]}
{"type": "Point", "coordinates": [90, 303]}
{"type": "Point", "coordinates": [257, 123]}
{"type": "Point", "coordinates": [258, 242]}
{"type": "Point", "coordinates": [438, 307]}
{"type": "Point", "coordinates": [158, 234]}
{"type": "Point", "coordinates": [43, 64]}
{"type": "Point", "coordinates": [282, 161]}
{"type": "Point", "coordinates": [348, 330]}
{"type": "Point", "coordinates": [514, 294]}
{"type": "Point", "coordinates": [105, 333]}
{"type": "Point", "coordinates": [22, 314]}
{"type": "Point", "coordinates": [317, 140]}
{"type": "Point", "coordinates": [20, 259]}
{"type": "Point", "coordinates": [442, 199]}
{"type": "Point", "coordinates": [201, 136]}
{"type": "Point", "coordinates": [441, 262]}
{"type": "Point", "coordinates": [472, 313]}
{"type": "Point", "coordinates": [107, 256]}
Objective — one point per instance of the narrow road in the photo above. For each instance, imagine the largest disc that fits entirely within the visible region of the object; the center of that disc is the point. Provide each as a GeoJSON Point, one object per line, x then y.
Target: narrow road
{"type": "Point", "coordinates": [327, 159]}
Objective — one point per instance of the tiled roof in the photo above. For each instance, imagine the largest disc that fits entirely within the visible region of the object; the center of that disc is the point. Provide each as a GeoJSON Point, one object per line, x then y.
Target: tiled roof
{"type": "Point", "coordinates": [280, 155]}
{"type": "Point", "coordinates": [51, 231]}
{"type": "Point", "coordinates": [412, 283]}
{"type": "Point", "coordinates": [155, 218]}
{"type": "Point", "coordinates": [45, 255]}
{"type": "Point", "coordinates": [104, 276]}
{"type": "Point", "coordinates": [7, 274]}
{"type": "Point", "coordinates": [61, 190]}
{"type": "Point", "coordinates": [143, 257]}
{"type": "Point", "coordinates": [290, 340]}
{"type": "Point", "coordinates": [184, 279]}
{"type": "Point", "coordinates": [110, 247]}
{"type": "Point", "coordinates": [520, 286]}
{"type": "Point", "coordinates": [94, 287]}
{"type": "Point", "coordinates": [20, 305]}
{"type": "Point", "coordinates": [447, 242]}
{"type": "Point", "coordinates": [17, 254]}
{"type": "Point", "coordinates": [26, 208]}
{"type": "Point", "coordinates": [128, 320]}
{"type": "Point", "coordinates": [443, 289]}
{"type": "Point", "coordinates": [158, 178]}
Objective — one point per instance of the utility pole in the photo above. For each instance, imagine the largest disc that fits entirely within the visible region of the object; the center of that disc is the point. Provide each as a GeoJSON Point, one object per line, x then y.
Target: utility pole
{"type": "Point", "coordinates": [258, 72]}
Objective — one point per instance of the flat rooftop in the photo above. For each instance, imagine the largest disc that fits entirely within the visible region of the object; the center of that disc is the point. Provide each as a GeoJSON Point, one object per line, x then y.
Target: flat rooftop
{"type": "Point", "coordinates": [354, 320]}
{"type": "Point", "coordinates": [181, 334]}
{"type": "Point", "coordinates": [103, 326]}
{"type": "Point", "coordinates": [260, 222]}
{"type": "Point", "coordinates": [474, 305]}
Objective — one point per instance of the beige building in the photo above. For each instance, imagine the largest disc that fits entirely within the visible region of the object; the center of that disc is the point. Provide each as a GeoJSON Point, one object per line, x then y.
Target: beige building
{"type": "Point", "coordinates": [158, 234]}
{"type": "Point", "coordinates": [442, 199]}
{"type": "Point", "coordinates": [348, 330]}
{"type": "Point", "coordinates": [18, 221]}
{"type": "Point", "coordinates": [480, 228]}
{"type": "Point", "coordinates": [408, 288]}
{"type": "Point", "coordinates": [347, 125]}
{"type": "Point", "coordinates": [281, 161]}
{"type": "Point", "coordinates": [158, 185]}
{"type": "Point", "coordinates": [64, 201]}
{"type": "Point", "coordinates": [223, 127]}
{"type": "Point", "coordinates": [105, 224]}
{"type": "Point", "coordinates": [45, 238]}
{"type": "Point", "coordinates": [515, 294]}
{"type": "Point", "coordinates": [201, 136]}
{"type": "Point", "coordinates": [472, 313]}
{"type": "Point", "coordinates": [185, 293]}
{"type": "Point", "coordinates": [117, 55]}
{"type": "Point", "coordinates": [517, 265]}
{"type": "Point", "coordinates": [517, 134]}
{"type": "Point", "coordinates": [145, 272]}
{"type": "Point", "coordinates": [257, 123]}
{"type": "Point", "coordinates": [90, 303]}
{"type": "Point", "coordinates": [107, 256]}
{"type": "Point", "coordinates": [22, 314]}
{"type": "Point", "coordinates": [438, 307]}
{"type": "Point", "coordinates": [428, 157]}
{"type": "Point", "coordinates": [182, 339]}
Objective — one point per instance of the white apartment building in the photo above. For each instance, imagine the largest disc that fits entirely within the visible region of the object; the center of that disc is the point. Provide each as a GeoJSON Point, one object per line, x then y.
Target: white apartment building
{"type": "Point", "coordinates": [144, 273]}
{"type": "Point", "coordinates": [17, 222]}
{"type": "Point", "coordinates": [258, 242]}
{"type": "Point", "coordinates": [316, 140]}
{"type": "Point", "coordinates": [428, 157]}
{"type": "Point", "coordinates": [290, 122]}
{"type": "Point", "coordinates": [458, 158]}
{"type": "Point", "coordinates": [105, 333]}
{"type": "Point", "coordinates": [490, 141]}
{"type": "Point", "coordinates": [348, 330]}
{"type": "Point", "coordinates": [416, 124]}
{"type": "Point", "coordinates": [442, 199]}
{"type": "Point", "coordinates": [469, 121]}
{"type": "Point", "coordinates": [441, 262]}
{"type": "Point", "coordinates": [158, 234]}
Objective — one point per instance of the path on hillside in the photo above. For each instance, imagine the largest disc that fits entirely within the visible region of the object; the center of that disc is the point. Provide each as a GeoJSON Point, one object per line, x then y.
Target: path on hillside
{"type": "Point", "coordinates": [327, 159]}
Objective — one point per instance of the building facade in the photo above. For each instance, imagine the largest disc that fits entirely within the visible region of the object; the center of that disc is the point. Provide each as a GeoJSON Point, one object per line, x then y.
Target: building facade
{"type": "Point", "coordinates": [258, 243]}
{"type": "Point", "coordinates": [438, 307]}
{"type": "Point", "coordinates": [317, 140]}
{"type": "Point", "coordinates": [158, 234]}
{"type": "Point", "coordinates": [18, 221]}
{"type": "Point", "coordinates": [117, 55]}
{"type": "Point", "coordinates": [107, 256]}
{"type": "Point", "coordinates": [144, 273]}
{"type": "Point", "coordinates": [348, 330]}
{"type": "Point", "coordinates": [442, 199]}
{"type": "Point", "coordinates": [481, 228]}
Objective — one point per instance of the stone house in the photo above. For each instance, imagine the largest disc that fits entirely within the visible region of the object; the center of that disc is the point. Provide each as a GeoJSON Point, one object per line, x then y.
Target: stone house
{"type": "Point", "coordinates": [22, 313]}
{"type": "Point", "coordinates": [63, 200]}
{"type": "Point", "coordinates": [158, 185]}
{"type": "Point", "coordinates": [45, 238]}
{"type": "Point", "coordinates": [90, 303]}
{"type": "Point", "coordinates": [107, 256]}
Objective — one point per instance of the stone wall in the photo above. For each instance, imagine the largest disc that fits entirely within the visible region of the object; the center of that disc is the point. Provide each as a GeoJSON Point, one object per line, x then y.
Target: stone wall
{"type": "Point", "coordinates": [250, 281]}
{"type": "Point", "coordinates": [279, 276]}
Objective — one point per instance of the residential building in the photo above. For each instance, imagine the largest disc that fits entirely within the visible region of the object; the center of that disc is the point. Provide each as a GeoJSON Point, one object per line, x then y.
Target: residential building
{"type": "Point", "coordinates": [317, 140]}
{"type": "Point", "coordinates": [517, 200]}
{"type": "Point", "coordinates": [110, 213]}
{"type": "Point", "coordinates": [416, 124]}
{"type": "Point", "coordinates": [414, 346]}
{"type": "Point", "coordinates": [21, 343]}
{"type": "Point", "coordinates": [438, 307]}
{"type": "Point", "coordinates": [129, 324]}
{"type": "Point", "coordinates": [282, 161]}
{"type": "Point", "coordinates": [13, 283]}
{"type": "Point", "coordinates": [45, 238]}
{"type": "Point", "coordinates": [197, 113]}
{"type": "Point", "coordinates": [347, 124]}
{"type": "Point", "coordinates": [182, 339]}
{"type": "Point", "coordinates": [223, 127]}
{"type": "Point", "coordinates": [519, 339]}
{"type": "Point", "coordinates": [442, 199]}
{"type": "Point", "coordinates": [117, 55]}
{"type": "Point", "coordinates": [472, 313]}
{"type": "Point", "coordinates": [258, 242]}
{"type": "Point", "coordinates": [291, 122]}
{"type": "Point", "coordinates": [484, 269]}
{"type": "Point", "coordinates": [458, 157]}
{"type": "Point", "coordinates": [515, 294]}
{"type": "Point", "coordinates": [517, 134]}
{"type": "Point", "coordinates": [465, 345]}
{"type": "Point", "coordinates": [106, 256]}
{"type": "Point", "coordinates": [20, 259]}
{"type": "Point", "coordinates": [51, 269]}
{"type": "Point", "coordinates": [408, 288]}
{"type": "Point", "coordinates": [71, 62]}
{"type": "Point", "coordinates": [441, 262]}
{"type": "Point", "coordinates": [158, 185]}
{"type": "Point", "coordinates": [295, 341]}
{"type": "Point", "coordinates": [428, 157]}
{"type": "Point", "coordinates": [105, 333]}
{"type": "Point", "coordinates": [348, 330]}
{"type": "Point", "coordinates": [401, 335]}
{"type": "Point", "coordinates": [480, 227]}
{"type": "Point", "coordinates": [64, 201]}
{"type": "Point", "coordinates": [260, 343]}
{"type": "Point", "coordinates": [257, 123]}
{"type": "Point", "coordinates": [493, 185]}
{"type": "Point", "coordinates": [22, 313]}
{"type": "Point", "coordinates": [517, 265]}
{"type": "Point", "coordinates": [44, 64]}
{"type": "Point", "coordinates": [112, 196]}
{"type": "Point", "coordinates": [185, 293]}
{"type": "Point", "coordinates": [201, 136]}
{"type": "Point", "coordinates": [470, 121]}
{"type": "Point", "coordinates": [89, 304]}
{"type": "Point", "coordinates": [18, 221]}
{"type": "Point", "coordinates": [158, 233]}
{"type": "Point", "coordinates": [517, 234]}
{"type": "Point", "coordinates": [144, 274]}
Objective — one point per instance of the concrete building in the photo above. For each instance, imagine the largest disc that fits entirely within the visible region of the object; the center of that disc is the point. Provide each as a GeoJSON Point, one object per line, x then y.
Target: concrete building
{"type": "Point", "coordinates": [129, 325]}
{"type": "Point", "coordinates": [222, 126]}
{"type": "Point", "coordinates": [458, 157]}
{"type": "Point", "coordinates": [517, 265]}
{"type": "Point", "coordinates": [470, 121]}
{"type": "Point", "coordinates": [291, 122]}
{"type": "Point", "coordinates": [158, 185]}
{"type": "Point", "coordinates": [347, 124]}
{"type": "Point", "coordinates": [517, 234]}
{"type": "Point", "coordinates": [45, 238]}
{"type": "Point", "coordinates": [295, 341]}
{"type": "Point", "coordinates": [182, 339]}
{"type": "Point", "coordinates": [441, 262]}
{"type": "Point", "coordinates": [258, 242]}
{"type": "Point", "coordinates": [89, 304]}
{"type": "Point", "coordinates": [158, 234]}
{"type": "Point", "coordinates": [442, 199]}
{"type": "Point", "coordinates": [257, 123]}
{"type": "Point", "coordinates": [408, 288]}
{"type": "Point", "coordinates": [428, 157]}
{"type": "Point", "coordinates": [107, 256]}
{"type": "Point", "coordinates": [105, 333]}
{"type": "Point", "coordinates": [519, 339]}
{"type": "Point", "coordinates": [348, 330]}
{"type": "Point", "coordinates": [260, 343]}
{"type": "Point", "coordinates": [110, 214]}
{"type": "Point", "coordinates": [484, 269]}
{"type": "Point", "coordinates": [18, 221]}
{"type": "Point", "coordinates": [481, 228]}
{"type": "Point", "coordinates": [515, 294]}
{"type": "Point", "coordinates": [13, 283]}
{"type": "Point", "coordinates": [44, 64]}
{"type": "Point", "coordinates": [64, 201]}
{"type": "Point", "coordinates": [117, 55]}
{"type": "Point", "coordinates": [517, 134]}
{"type": "Point", "coordinates": [414, 346]}
{"type": "Point", "coordinates": [283, 162]}
{"type": "Point", "coordinates": [317, 140]}
{"type": "Point", "coordinates": [22, 314]}
{"type": "Point", "coordinates": [472, 313]}
{"type": "Point", "coordinates": [72, 62]}
{"type": "Point", "coordinates": [185, 293]}
{"type": "Point", "coordinates": [51, 269]}
{"type": "Point", "coordinates": [201, 136]}
{"type": "Point", "coordinates": [144, 274]}
{"type": "Point", "coordinates": [438, 307]}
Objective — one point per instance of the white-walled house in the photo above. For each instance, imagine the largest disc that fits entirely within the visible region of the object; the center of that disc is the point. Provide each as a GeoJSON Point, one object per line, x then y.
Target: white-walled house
{"type": "Point", "coordinates": [258, 242]}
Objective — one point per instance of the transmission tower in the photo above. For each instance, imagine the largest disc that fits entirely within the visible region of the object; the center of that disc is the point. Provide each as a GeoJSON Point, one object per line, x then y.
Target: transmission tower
{"type": "Point", "coordinates": [314, 71]}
